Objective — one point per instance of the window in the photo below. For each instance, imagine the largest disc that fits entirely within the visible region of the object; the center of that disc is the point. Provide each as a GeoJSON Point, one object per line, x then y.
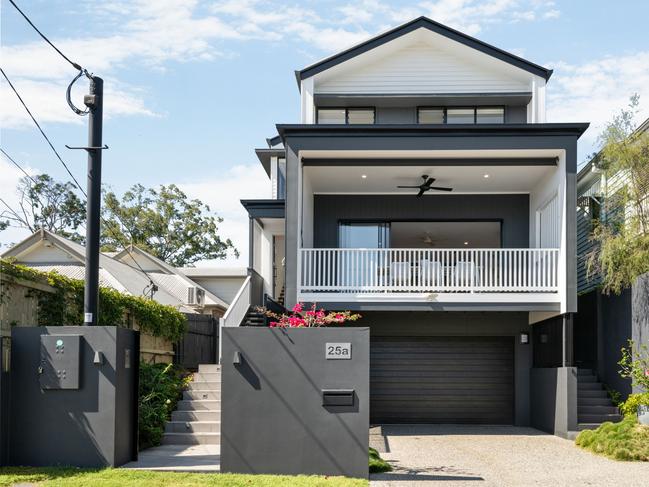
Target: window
{"type": "Point", "coordinates": [490, 115]}
{"type": "Point", "coordinates": [363, 115]}
{"type": "Point", "coordinates": [331, 115]}
{"type": "Point", "coordinates": [468, 115]}
{"type": "Point", "coordinates": [460, 115]}
{"type": "Point", "coordinates": [430, 115]}
{"type": "Point", "coordinates": [345, 115]}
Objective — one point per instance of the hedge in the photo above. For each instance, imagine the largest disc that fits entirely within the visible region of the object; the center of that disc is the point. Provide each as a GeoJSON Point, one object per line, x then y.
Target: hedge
{"type": "Point", "coordinates": [64, 306]}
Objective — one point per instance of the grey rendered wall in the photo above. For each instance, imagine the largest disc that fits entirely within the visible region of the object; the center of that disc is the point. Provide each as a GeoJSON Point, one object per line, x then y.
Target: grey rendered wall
{"type": "Point", "coordinates": [553, 393]}
{"type": "Point", "coordinates": [385, 323]}
{"type": "Point", "coordinates": [88, 427]}
{"type": "Point", "coordinates": [512, 209]}
{"type": "Point", "coordinates": [272, 416]}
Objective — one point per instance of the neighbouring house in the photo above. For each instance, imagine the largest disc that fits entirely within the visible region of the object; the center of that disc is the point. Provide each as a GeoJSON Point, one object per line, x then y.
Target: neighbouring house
{"type": "Point", "coordinates": [424, 187]}
{"type": "Point", "coordinates": [130, 271]}
{"type": "Point", "coordinates": [605, 323]}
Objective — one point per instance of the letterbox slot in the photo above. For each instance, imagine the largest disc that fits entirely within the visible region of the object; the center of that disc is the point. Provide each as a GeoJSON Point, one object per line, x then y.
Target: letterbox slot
{"type": "Point", "coordinates": [338, 397]}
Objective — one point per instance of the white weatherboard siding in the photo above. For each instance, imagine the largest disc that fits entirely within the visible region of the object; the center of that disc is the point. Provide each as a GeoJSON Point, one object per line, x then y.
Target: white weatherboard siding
{"type": "Point", "coordinates": [422, 68]}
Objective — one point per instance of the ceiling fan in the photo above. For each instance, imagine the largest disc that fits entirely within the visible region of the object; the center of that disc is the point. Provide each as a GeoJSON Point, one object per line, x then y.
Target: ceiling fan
{"type": "Point", "coordinates": [426, 186]}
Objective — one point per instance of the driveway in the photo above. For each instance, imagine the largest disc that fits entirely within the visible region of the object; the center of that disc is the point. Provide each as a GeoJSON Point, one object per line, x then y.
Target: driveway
{"type": "Point", "coordinates": [486, 456]}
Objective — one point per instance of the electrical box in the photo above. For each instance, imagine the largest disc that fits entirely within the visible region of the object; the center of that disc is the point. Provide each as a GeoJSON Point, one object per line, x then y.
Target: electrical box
{"type": "Point", "coordinates": [60, 361]}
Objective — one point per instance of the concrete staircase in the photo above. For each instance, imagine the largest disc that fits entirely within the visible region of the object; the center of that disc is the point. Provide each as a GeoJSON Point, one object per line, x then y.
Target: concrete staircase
{"type": "Point", "coordinates": [594, 406]}
{"type": "Point", "coordinates": [197, 418]}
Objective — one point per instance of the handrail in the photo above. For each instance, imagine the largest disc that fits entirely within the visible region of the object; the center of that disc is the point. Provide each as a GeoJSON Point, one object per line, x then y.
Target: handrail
{"type": "Point", "coordinates": [429, 270]}
{"type": "Point", "coordinates": [237, 310]}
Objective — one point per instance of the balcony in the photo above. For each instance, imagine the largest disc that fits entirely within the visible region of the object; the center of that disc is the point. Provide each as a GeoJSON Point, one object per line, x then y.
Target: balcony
{"type": "Point", "coordinates": [452, 275]}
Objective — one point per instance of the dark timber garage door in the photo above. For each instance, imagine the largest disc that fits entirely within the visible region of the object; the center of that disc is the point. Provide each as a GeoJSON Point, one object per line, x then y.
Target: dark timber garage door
{"type": "Point", "coordinates": [442, 380]}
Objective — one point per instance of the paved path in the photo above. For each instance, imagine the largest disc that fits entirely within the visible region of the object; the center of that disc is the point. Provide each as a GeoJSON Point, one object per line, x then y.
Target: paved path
{"type": "Point", "coordinates": [179, 458]}
{"type": "Point", "coordinates": [494, 456]}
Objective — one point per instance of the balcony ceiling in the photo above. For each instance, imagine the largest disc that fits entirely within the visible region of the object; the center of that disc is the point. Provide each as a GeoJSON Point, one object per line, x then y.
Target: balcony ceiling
{"type": "Point", "coordinates": [385, 179]}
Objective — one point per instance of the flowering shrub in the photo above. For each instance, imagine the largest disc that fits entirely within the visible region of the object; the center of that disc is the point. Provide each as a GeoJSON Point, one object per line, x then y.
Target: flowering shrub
{"type": "Point", "coordinates": [313, 317]}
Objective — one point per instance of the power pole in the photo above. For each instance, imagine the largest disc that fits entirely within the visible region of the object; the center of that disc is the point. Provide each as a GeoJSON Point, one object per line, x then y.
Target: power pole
{"type": "Point", "coordinates": [94, 101]}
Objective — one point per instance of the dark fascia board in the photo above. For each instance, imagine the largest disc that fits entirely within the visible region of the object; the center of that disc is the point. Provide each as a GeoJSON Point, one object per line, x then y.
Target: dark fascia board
{"type": "Point", "coordinates": [264, 156]}
{"type": "Point", "coordinates": [273, 141]}
{"type": "Point", "coordinates": [405, 161]}
{"type": "Point", "coordinates": [264, 208]}
{"type": "Point", "coordinates": [431, 130]}
{"type": "Point", "coordinates": [433, 26]}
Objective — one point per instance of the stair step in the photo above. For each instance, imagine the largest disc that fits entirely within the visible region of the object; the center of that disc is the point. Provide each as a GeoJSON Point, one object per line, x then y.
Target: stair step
{"type": "Point", "coordinates": [209, 368]}
{"type": "Point", "coordinates": [598, 409]}
{"type": "Point", "coordinates": [585, 372]}
{"type": "Point", "coordinates": [589, 385]}
{"type": "Point", "coordinates": [593, 401]}
{"type": "Point", "coordinates": [191, 439]}
{"type": "Point", "coordinates": [200, 377]}
{"type": "Point", "coordinates": [582, 393]}
{"type": "Point", "coordinates": [193, 427]}
{"type": "Point", "coordinates": [598, 418]}
{"type": "Point", "coordinates": [209, 405]}
{"type": "Point", "coordinates": [586, 379]}
{"type": "Point", "coordinates": [204, 386]}
{"type": "Point", "coordinates": [193, 395]}
{"type": "Point", "coordinates": [205, 415]}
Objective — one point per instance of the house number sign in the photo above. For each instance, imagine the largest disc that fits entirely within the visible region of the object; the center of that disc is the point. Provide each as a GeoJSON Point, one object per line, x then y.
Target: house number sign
{"type": "Point", "coordinates": [338, 351]}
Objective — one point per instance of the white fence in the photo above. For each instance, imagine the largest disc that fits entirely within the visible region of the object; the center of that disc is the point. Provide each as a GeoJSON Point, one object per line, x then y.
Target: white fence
{"type": "Point", "coordinates": [429, 270]}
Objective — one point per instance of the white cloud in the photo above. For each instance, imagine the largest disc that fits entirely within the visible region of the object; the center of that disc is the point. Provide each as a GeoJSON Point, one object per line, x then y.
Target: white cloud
{"type": "Point", "coordinates": [153, 32]}
{"type": "Point", "coordinates": [223, 194]}
{"type": "Point", "coordinates": [594, 91]}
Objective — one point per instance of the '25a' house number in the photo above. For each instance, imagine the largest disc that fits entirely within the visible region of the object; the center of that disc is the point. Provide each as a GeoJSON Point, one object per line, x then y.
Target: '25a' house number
{"type": "Point", "coordinates": [338, 351]}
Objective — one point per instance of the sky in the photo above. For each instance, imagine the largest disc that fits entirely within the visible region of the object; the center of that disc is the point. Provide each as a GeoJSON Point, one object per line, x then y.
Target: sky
{"type": "Point", "coordinates": [192, 86]}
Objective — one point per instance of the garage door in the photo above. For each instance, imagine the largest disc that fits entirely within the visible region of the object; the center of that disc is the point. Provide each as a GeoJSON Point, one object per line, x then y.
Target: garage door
{"type": "Point", "coordinates": [442, 380]}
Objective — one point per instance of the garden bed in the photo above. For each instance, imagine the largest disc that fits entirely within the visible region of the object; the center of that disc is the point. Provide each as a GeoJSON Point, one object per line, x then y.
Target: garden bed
{"type": "Point", "coordinates": [626, 440]}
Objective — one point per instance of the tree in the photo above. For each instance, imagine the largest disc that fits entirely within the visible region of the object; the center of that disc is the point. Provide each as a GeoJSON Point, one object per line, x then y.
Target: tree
{"type": "Point", "coordinates": [49, 204]}
{"type": "Point", "coordinates": [165, 223]}
{"type": "Point", "coordinates": [622, 232]}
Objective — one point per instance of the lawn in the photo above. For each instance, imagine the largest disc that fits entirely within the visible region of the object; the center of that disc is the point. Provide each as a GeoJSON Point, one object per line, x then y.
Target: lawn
{"type": "Point", "coordinates": [69, 477]}
{"type": "Point", "coordinates": [626, 440]}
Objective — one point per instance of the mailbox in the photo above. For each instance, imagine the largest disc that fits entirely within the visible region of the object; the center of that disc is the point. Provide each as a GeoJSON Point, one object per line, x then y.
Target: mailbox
{"type": "Point", "coordinates": [60, 360]}
{"type": "Point", "coordinates": [338, 397]}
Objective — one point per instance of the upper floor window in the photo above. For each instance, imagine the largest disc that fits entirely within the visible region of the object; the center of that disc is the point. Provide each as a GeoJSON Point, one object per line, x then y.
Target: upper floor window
{"type": "Point", "coordinates": [281, 178]}
{"type": "Point", "coordinates": [345, 116]}
{"type": "Point", "coordinates": [469, 115]}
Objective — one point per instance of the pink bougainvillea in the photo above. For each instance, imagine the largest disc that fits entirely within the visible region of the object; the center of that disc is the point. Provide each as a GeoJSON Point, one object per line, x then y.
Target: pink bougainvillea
{"type": "Point", "coordinates": [312, 317]}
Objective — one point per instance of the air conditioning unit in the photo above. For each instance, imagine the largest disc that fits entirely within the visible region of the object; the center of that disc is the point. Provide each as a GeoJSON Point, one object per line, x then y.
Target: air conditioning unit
{"type": "Point", "coordinates": [195, 296]}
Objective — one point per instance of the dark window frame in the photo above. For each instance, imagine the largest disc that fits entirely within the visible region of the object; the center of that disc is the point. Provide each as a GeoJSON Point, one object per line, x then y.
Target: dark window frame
{"type": "Point", "coordinates": [346, 109]}
{"type": "Point", "coordinates": [473, 107]}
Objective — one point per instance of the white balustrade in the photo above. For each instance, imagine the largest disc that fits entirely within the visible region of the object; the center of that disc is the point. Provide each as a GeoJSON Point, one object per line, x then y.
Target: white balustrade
{"type": "Point", "coordinates": [429, 270]}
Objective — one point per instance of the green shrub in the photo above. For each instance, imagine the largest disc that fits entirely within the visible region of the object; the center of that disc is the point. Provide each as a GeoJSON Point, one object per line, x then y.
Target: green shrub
{"type": "Point", "coordinates": [161, 387]}
{"type": "Point", "coordinates": [627, 440]}
{"type": "Point", "coordinates": [377, 464]}
{"type": "Point", "coordinates": [630, 406]}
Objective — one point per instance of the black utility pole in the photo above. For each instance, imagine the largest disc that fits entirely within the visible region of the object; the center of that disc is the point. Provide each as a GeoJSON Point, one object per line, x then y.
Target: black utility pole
{"type": "Point", "coordinates": [94, 101]}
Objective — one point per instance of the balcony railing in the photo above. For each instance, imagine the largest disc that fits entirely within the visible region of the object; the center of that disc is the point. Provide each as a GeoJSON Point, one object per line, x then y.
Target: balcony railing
{"type": "Point", "coordinates": [429, 270]}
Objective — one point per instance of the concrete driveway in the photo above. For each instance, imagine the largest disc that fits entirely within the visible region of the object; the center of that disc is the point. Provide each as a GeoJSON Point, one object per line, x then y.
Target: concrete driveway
{"type": "Point", "coordinates": [486, 456]}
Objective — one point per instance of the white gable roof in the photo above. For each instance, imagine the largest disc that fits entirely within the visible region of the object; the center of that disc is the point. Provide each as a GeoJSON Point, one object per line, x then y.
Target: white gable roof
{"type": "Point", "coordinates": [422, 62]}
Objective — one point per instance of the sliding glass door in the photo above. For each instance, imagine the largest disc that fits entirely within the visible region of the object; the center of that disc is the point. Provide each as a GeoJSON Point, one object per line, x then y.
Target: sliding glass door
{"type": "Point", "coordinates": [360, 268]}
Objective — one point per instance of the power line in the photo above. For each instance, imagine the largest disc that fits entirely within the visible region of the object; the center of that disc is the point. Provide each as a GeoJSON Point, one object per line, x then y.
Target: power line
{"type": "Point", "coordinates": [17, 165]}
{"type": "Point", "coordinates": [74, 65]}
{"type": "Point", "coordinates": [43, 133]}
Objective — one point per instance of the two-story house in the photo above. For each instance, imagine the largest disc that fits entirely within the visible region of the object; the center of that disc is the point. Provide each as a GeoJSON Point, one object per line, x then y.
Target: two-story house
{"type": "Point", "coordinates": [424, 188]}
